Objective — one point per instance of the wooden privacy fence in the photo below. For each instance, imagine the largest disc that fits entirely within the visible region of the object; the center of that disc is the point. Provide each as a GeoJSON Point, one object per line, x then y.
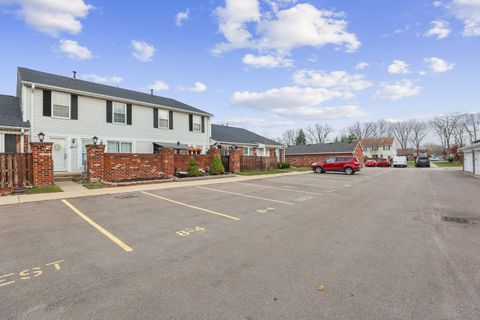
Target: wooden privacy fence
{"type": "Point", "coordinates": [257, 163]}
{"type": "Point", "coordinates": [15, 170]}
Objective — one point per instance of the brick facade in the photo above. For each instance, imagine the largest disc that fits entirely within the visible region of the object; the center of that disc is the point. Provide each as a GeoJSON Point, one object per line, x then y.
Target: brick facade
{"type": "Point", "coordinates": [18, 140]}
{"type": "Point", "coordinates": [95, 162]}
{"type": "Point", "coordinates": [235, 158]}
{"type": "Point", "coordinates": [42, 164]}
{"type": "Point", "coordinates": [307, 159]}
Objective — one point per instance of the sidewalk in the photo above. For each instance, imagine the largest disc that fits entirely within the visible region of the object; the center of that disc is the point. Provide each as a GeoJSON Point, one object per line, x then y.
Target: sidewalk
{"type": "Point", "coordinates": [75, 190]}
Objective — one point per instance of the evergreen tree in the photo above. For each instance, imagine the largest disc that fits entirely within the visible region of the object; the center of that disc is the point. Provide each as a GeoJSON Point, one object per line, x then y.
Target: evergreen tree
{"type": "Point", "coordinates": [217, 166]}
{"type": "Point", "coordinates": [300, 139]}
{"type": "Point", "coordinates": [193, 170]}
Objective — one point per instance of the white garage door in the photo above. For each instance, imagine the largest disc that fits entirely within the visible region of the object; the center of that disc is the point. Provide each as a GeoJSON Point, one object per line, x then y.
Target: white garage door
{"type": "Point", "coordinates": [468, 161]}
{"type": "Point", "coordinates": [477, 163]}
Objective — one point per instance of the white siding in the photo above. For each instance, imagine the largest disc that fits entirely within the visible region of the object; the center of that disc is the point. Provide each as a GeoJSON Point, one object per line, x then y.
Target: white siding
{"type": "Point", "coordinates": [477, 162]}
{"type": "Point", "coordinates": [468, 161]}
{"type": "Point", "coordinates": [92, 122]}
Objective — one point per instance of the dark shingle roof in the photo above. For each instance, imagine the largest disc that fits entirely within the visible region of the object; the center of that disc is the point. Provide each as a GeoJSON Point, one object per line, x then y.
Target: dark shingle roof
{"type": "Point", "coordinates": [322, 148]}
{"type": "Point", "coordinates": [10, 112]}
{"type": "Point", "coordinates": [39, 77]}
{"type": "Point", "coordinates": [239, 135]}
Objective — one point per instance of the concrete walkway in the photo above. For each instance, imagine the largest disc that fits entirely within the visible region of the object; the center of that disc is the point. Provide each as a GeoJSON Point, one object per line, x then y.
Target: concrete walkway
{"type": "Point", "coordinates": [75, 190]}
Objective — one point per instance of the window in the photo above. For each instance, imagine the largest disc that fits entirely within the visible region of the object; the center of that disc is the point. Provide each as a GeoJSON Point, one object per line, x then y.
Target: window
{"type": "Point", "coordinates": [163, 119]}
{"type": "Point", "coordinates": [197, 123]}
{"type": "Point", "coordinates": [386, 147]}
{"type": "Point", "coordinates": [375, 148]}
{"type": "Point", "coordinates": [119, 113]}
{"type": "Point", "coordinates": [247, 151]}
{"type": "Point", "coordinates": [61, 105]}
{"type": "Point", "coordinates": [331, 160]}
{"type": "Point", "coordinates": [261, 152]}
{"type": "Point", "coordinates": [119, 147]}
{"type": "Point", "coordinates": [10, 143]}
{"type": "Point", "coordinates": [84, 149]}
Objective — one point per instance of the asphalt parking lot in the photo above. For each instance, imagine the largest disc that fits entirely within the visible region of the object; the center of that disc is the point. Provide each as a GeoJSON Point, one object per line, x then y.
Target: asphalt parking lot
{"type": "Point", "coordinates": [368, 246]}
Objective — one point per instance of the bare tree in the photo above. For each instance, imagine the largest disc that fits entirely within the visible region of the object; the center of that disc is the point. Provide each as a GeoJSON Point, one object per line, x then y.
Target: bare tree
{"type": "Point", "coordinates": [362, 130]}
{"type": "Point", "coordinates": [319, 133]}
{"type": "Point", "coordinates": [444, 126]}
{"type": "Point", "coordinates": [383, 128]}
{"type": "Point", "coordinates": [402, 131]}
{"type": "Point", "coordinates": [419, 130]}
{"type": "Point", "coordinates": [288, 137]}
{"type": "Point", "coordinates": [471, 123]}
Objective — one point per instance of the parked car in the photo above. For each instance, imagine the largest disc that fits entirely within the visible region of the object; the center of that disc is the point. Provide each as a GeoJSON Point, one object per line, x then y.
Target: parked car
{"type": "Point", "coordinates": [400, 162]}
{"type": "Point", "coordinates": [422, 162]}
{"type": "Point", "coordinates": [349, 165]}
{"type": "Point", "coordinates": [383, 163]}
{"type": "Point", "coordinates": [435, 158]}
{"type": "Point", "coordinates": [371, 163]}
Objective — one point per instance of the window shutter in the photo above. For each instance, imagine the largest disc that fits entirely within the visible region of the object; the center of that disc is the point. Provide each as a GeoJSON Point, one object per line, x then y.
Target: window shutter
{"type": "Point", "coordinates": [129, 114]}
{"type": "Point", "coordinates": [74, 107]}
{"type": "Point", "coordinates": [190, 122]}
{"type": "Point", "coordinates": [47, 103]}
{"type": "Point", "coordinates": [170, 120]}
{"type": "Point", "coordinates": [109, 111]}
{"type": "Point", "coordinates": [203, 124]}
{"type": "Point", "coordinates": [155, 117]}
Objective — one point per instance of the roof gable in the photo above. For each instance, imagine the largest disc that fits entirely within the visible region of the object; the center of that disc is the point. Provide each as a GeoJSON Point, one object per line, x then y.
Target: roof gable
{"type": "Point", "coordinates": [239, 135]}
{"type": "Point", "coordinates": [49, 79]}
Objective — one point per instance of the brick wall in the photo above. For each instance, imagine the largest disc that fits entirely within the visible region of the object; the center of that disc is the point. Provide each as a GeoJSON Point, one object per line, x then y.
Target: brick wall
{"type": "Point", "coordinates": [95, 162]}
{"type": "Point", "coordinates": [18, 140]}
{"type": "Point", "coordinates": [235, 158]}
{"type": "Point", "coordinates": [127, 166]}
{"type": "Point", "coordinates": [42, 164]}
{"type": "Point", "coordinates": [203, 160]}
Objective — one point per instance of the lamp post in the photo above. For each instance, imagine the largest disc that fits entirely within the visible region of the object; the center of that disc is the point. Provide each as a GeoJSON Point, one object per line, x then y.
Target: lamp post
{"type": "Point", "coordinates": [41, 136]}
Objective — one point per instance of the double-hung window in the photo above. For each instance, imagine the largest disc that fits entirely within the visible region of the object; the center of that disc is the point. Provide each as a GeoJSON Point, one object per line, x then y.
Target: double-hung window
{"type": "Point", "coordinates": [197, 123]}
{"type": "Point", "coordinates": [247, 151]}
{"type": "Point", "coordinates": [61, 105]}
{"type": "Point", "coordinates": [163, 119]}
{"type": "Point", "coordinates": [119, 113]}
{"type": "Point", "coordinates": [386, 147]}
{"type": "Point", "coordinates": [119, 147]}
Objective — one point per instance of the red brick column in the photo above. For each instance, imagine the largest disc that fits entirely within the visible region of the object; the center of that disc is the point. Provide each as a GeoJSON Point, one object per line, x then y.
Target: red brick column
{"type": "Point", "coordinates": [95, 162]}
{"type": "Point", "coordinates": [234, 161]}
{"type": "Point", "coordinates": [282, 155]}
{"type": "Point", "coordinates": [214, 151]}
{"type": "Point", "coordinates": [42, 164]}
{"type": "Point", "coordinates": [168, 161]}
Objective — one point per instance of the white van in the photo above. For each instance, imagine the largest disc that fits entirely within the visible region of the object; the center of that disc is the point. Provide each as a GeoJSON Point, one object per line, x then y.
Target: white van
{"type": "Point", "coordinates": [400, 162]}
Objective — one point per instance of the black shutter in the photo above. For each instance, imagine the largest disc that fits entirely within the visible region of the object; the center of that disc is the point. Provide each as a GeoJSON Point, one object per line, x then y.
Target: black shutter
{"type": "Point", "coordinates": [170, 120]}
{"type": "Point", "coordinates": [155, 117]}
{"type": "Point", "coordinates": [47, 103]}
{"type": "Point", "coordinates": [74, 107]}
{"type": "Point", "coordinates": [203, 124]}
{"type": "Point", "coordinates": [190, 122]}
{"type": "Point", "coordinates": [129, 114]}
{"type": "Point", "coordinates": [109, 111]}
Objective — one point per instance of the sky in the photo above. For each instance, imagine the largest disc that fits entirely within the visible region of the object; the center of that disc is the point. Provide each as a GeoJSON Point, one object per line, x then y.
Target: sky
{"type": "Point", "coordinates": [265, 65]}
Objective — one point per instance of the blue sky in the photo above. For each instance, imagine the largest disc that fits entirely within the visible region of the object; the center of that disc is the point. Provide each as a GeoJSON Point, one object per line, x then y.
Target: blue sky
{"type": "Point", "coordinates": [267, 65]}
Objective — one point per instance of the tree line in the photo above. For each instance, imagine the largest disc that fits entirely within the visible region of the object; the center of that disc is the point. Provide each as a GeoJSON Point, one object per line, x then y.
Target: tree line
{"type": "Point", "coordinates": [452, 129]}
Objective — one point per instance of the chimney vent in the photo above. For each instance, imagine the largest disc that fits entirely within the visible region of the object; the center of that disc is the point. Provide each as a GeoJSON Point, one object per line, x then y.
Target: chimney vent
{"type": "Point", "coordinates": [151, 92]}
{"type": "Point", "coordinates": [74, 76]}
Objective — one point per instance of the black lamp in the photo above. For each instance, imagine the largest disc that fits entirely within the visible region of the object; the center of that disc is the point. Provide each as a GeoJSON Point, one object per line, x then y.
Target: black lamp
{"type": "Point", "coordinates": [95, 140]}
{"type": "Point", "coordinates": [41, 136]}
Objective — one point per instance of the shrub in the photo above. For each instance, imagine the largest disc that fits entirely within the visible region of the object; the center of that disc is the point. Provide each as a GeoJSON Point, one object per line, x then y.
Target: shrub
{"type": "Point", "coordinates": [283, 165]}
{"type": "Point", "coordinates": [450, 159]}
{"type": "Point", "coordinates": [216, 167]}
{"type": "Point", "coordinates": [193, 170]}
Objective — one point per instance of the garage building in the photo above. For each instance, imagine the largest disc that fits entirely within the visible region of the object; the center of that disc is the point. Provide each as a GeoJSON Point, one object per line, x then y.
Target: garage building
{"type": "Point", "coordinates": [471, 158]}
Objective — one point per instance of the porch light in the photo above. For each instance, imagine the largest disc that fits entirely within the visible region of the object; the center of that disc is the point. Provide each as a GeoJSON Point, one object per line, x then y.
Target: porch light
{"type": "Point", "coordinates": [95, 140]}
{"type": "Point", "coordinates": [41, 136]}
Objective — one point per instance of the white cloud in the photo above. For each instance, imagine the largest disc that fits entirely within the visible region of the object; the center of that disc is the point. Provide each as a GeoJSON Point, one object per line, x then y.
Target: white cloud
{"type": "Point", "coordinates": [102, 79]}
{"type": "Point", "coordinates": [53, 16]}
{"type": "Point", "coordinates": [74, 50]}
{"type": "Point", "coordinates": [438, 65]}
{"type": "Point", "coordinates": [397, 90]}
{"type": "Point", "coordinates": [362, 65]}
{"type": "Point", "coordinates": [267, 61]}
{"type": "Point", "coordinates": [469, 12]}
{"type": "Point", "coordinates": [159, 86]}
{"type": "Point", "coordinates": [279, 31]}
{"type": "Point", "coordinates": [437, 4]}
{"type": "Point", "coordinates": [181, 17]}
{"type": "Point", "coordinates": [339, 80]}
{"type": "Point", "coordinates": [398, 67]}
{"type": "Point", "coordinates": [143, 51]}
{"type": "Point", "coordinates": [440, 29]}
{"type": "Point", "coordinates": [197, 87]}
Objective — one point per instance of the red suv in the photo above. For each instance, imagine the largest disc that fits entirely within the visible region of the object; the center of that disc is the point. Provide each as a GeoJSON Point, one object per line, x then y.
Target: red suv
{"type": "Point", "coordinates": [349, 165]}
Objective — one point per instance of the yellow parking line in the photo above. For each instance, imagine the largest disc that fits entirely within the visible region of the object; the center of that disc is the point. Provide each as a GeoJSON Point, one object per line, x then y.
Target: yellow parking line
{"type": "Point", "coordinates": [286, 189]}
{"type": "Point", "coordinates": [190, 206]}
{"type": "Point", "coordinates": [110, 236]}
{"type": "Point", "coordinates": [306, 184]}
{"type": "Point", "coordinates": [247, 195]}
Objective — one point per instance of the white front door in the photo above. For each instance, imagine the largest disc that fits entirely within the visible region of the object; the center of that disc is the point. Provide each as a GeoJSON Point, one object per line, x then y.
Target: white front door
{"type": "Point", "coordinates": [59, 154]}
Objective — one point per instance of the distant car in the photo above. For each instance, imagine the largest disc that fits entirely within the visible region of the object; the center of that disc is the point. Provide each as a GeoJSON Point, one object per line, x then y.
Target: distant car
{"type": "Point", "coordinates": [400, 162]}
{"type": "Point", "coordinates": [435, 158]}
{"type": "Point", "coordinates": [349, 165]}
{"type": "Point", "coordinates": [422, 162]}
{"type": "Point", "coordinates": [383, 163]}
{"type": "Point", "coordinates": [371, 163]}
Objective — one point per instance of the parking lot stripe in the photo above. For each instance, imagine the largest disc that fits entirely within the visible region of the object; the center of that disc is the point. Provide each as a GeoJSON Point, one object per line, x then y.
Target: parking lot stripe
{"type": "Point", "coordinates": [190, 206]}
{"type": "Point", "coordinates": [247, 195]}
{"type": "Point", "coordinates": [105, 232]}
{"type": "Point", "coordinates": [277, 188]}
{"type": "Point", "coordinates": [306, 184]}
